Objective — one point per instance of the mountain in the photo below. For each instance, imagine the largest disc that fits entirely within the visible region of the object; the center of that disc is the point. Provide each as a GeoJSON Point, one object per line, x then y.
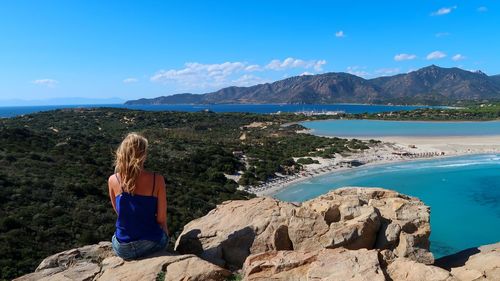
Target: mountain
{"type": "Point", "coordinates": [173, 99]}
{"type": "Point", "coordinates": [436, 84]}
{"type": "Point", "coordinates": [496, 78]}
{"type": "Point", "coordinates": [428, 85]}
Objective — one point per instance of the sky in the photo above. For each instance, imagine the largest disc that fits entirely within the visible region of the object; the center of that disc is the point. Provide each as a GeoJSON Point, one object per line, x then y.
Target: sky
{"type": "Point", "coordinates": [94, 49]}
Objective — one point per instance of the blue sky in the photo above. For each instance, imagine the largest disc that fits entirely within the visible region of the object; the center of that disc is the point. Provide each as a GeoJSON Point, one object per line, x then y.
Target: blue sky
{"type": "Point", "coordinates": [131, 49]}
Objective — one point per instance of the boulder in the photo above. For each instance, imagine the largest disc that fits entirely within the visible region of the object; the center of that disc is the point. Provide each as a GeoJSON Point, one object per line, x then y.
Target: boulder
{"type": "Point", "coordinates": [228, 234]}
{"type": "Point", "coordinates": [352, 218]}
{"type": "Point", "coordinates": [474, 264]}
{"type": "Point", "coordinates": [97, 262]}
{"type": "Point", "coordinates": [403, 269]}
{"type": "Point", "coordinates": [404, 220]}
{"type": "Point", "coordinates": [175, 267]}
{"type": "Point", "coordinates": [326, 264]}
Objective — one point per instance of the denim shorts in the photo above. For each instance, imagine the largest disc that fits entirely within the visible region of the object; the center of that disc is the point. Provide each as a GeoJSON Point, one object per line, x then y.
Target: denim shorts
{"type": "Point", "coordinates": [137, 249]}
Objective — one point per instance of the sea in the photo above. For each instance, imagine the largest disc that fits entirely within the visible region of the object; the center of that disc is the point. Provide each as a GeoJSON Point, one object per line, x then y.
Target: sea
{"type": "Point", "coordinates": [11, 111]}
{"type": "Point", "coordinates": [381, 128]}
{"type": "Point", "coordinates": [463, 192]}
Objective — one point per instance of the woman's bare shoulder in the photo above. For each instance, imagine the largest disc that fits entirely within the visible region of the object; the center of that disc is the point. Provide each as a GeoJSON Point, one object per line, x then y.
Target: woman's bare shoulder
{"type": "Point", "coordinates": [156, 175]}
{"type": "Point", "coordinates": [160, 177]}
{"type": "Point", "coordinates": [113, 178]}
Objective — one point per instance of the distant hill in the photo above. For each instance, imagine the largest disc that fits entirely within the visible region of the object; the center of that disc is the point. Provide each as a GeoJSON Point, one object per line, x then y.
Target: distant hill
{"type": "Point", "coordinates": [496, 78]}
{"type": "Point", "coordinates": [428, 85]}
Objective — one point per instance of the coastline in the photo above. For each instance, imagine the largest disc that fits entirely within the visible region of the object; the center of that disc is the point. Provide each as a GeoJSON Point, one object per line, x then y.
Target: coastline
{"type": "Point", "coordinates": [391, 150]}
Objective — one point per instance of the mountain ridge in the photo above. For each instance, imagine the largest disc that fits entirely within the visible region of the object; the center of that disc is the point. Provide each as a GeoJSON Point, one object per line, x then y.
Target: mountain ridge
{"type": "Point", "coordinates": [428, 85]}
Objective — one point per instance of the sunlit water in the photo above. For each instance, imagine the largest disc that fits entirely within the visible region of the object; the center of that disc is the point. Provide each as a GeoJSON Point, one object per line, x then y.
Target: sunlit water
{"type": "Point", "coordinates": [378, 128]}
{"type": "Point", "coordinates": [463, 193]}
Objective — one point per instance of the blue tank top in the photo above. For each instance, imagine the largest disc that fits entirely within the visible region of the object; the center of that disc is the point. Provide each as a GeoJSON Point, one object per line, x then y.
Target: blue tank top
{"type": "Point", "coordinates": [137, 216]}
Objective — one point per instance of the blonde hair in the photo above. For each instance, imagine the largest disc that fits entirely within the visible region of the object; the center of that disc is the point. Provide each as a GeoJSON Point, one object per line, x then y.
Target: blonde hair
{"type": "Point", "coordinates": [129, 161]}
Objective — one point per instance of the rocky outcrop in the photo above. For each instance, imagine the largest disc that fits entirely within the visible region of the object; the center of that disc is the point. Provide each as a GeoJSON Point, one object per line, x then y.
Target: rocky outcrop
{"type": "Point", "coordinates": [352, 218]}
{"type": "Point", "coordinates": [476, 264]}
{"type": "Point", "coordinates": [348, 234]}
{"type": "Point", "coordinates": [408, 270]}
{"type": "Point", "coordinates": [338, 264]}
{"type": "Point", "coordinates": [325, 264]}
{"type": "Point", "coordinates": [97, 262]}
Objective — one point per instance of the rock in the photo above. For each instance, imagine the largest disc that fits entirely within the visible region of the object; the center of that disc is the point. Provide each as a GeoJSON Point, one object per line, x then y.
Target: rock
{"type": "Point", "coordinates": [175, 267]}
{"type": "Point", "coordinates": [224, 239]}
{"type": "Point", "coordinates": [86, 253]}
{"type": "Point", "coordinates": [326, 264]}
{"type": "Point", "coordinates": [403, 269]}
{"type": "Point", "coordinates": [97, 262]}
{"type": "Point", "coordinates": [353, 218]}
{"type": "Point", "coordinates": [404, 221]}
{"type": "Point", "coordinates": [475, 264]}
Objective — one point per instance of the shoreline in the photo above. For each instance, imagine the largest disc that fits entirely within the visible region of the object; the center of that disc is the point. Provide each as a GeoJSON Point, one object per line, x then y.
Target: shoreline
{"type": "Point", "coordinates": [391, 150]}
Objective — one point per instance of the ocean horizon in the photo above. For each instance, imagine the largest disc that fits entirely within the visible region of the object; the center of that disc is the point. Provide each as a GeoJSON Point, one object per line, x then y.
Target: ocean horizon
{"type": "Point", "coordinates": [11, 111]}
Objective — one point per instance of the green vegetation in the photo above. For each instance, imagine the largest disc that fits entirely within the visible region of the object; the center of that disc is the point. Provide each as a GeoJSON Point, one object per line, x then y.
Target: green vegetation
{"type": "Point", "coordinates": [235, 277]}
{"type": "Point", "coordinates": [160, 276]}
{"type": "Point", "coordinates": [476, 112]}
{"type": "Point", "coordinates": [55, 165]}
{"type": "Point", "coordinates": [308, 160]}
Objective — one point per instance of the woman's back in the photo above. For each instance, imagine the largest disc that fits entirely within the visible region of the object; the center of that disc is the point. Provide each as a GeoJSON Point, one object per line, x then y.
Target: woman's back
{"type": "Point", "coordinates": [137, 218]}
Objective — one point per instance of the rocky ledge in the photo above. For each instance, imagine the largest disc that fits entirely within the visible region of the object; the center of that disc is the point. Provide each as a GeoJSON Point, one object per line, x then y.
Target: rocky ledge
{"type": "Point", "coordinates": [347, 234]}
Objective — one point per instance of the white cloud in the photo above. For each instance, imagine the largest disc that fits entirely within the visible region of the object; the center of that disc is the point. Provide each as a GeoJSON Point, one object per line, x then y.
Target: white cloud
{"type": "Point", "coordinates": [402, 57]}
{"type": "Point", "coordinates": [51, 83]}
{"type": "Point", "coordinates": [199, 76]}
{"type": "Point", "coordinates": [442, 34]}
{"type": "Point", "coordinates": [387, 71]}
{"type": "Point", "coordinates": [358, 71]}
{"type": "Point", "coordinates": [130, 80]}
{"type": "Point", "coordinates": [482, 9]}
{"type": "Point", "coordinates": [194, 72]}
{"type": "Point", "coordinates": [443, 11]}
{"type": "Point", "coordinates": [436, 55]}
{"type": "Point", "coordinates": [340, 34]}
{"type": "Point", "coordinates": [288, 63]}
{"type": "Point", "coordinates": [306, 73]}
{"type": "Point", "coordinates": [458, 57]}
{"type": "Point", "coordinates": [253, 67]}
{"type": "Point", "coordinates": [249, 80]}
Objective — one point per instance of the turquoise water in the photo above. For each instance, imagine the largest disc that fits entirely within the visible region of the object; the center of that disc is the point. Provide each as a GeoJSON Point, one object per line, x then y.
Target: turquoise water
{"type": "Point", "coordinates": [377, 128]}
{"type": "Point", "coordinates": [10, 111]}
{"type": "Point", "coordinates": [463, 193]}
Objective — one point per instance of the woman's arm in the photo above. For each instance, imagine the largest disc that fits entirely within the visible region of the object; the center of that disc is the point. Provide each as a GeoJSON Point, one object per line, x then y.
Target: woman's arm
{"type": "Point", "coordinates": [161, 213]}
{"type": "Point", "coordinates": [111, 191]}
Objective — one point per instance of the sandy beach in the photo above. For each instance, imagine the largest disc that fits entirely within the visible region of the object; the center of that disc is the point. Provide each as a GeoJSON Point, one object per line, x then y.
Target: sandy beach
{"type": "Point", "coordinates": [390, 150]}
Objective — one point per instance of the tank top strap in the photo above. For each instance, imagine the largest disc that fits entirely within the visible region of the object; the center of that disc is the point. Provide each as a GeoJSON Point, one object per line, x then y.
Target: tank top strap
{"type": "Point", "coordinates": [154, 184]}
{"type": "Point", "coordinates": [119, 182]}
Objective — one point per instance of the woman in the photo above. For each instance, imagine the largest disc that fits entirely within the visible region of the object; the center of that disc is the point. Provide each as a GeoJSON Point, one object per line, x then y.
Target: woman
{"type": "Point", "coordinates": [139, 199]}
